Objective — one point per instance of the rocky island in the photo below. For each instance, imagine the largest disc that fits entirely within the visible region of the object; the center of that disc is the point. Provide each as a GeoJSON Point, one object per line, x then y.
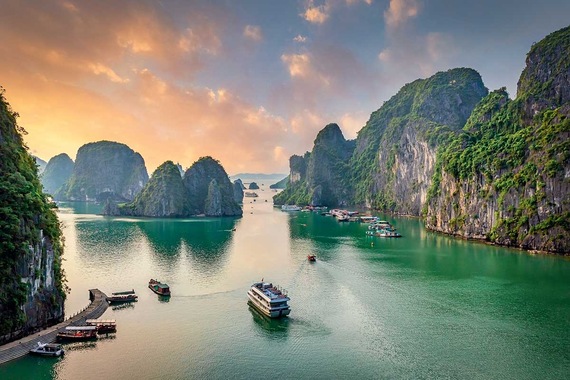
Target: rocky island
{"type": "Point", "coordinates": [205, 189]}
{"type": "Point", "coordinates": [105, 170]}
{"type": "Point", "coordinates": [472, 163]}
{"type": "Point", "coordinates": [57, 172]}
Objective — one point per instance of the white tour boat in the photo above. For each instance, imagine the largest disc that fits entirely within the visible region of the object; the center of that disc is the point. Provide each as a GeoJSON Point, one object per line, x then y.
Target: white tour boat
{"type": "Point", "coordinates": [47, 349]}
{"type": "Point", "coordinates": [269, 300]}
{"type": "Point", "coordinates": [290, 208]}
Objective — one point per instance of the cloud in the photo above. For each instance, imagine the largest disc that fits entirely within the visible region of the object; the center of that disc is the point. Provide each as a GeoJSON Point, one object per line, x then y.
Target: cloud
{"type": "Point", "coordinates": [85, 71]}
{"type": "Point", "coordinates": [252, 32]}
{"type": "Point", "coordinates": [399, 11]}
{"type": "Point", "coordinates": [412, 56]}
{"type": "Point", "coordinates": [351, 123]}
{"type": "Point", "coordinates": [98, 68]}
{"type": "Point", "coordinates": [319, 14]}
{"type": "Point", "coordinates": [316, 14]}
{"type": "Point", "coordinates": [299, 38]}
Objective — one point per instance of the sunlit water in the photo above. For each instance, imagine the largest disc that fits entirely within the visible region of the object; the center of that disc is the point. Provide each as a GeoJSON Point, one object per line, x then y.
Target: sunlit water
{"type": "Point", "coordinates": [423, 306]}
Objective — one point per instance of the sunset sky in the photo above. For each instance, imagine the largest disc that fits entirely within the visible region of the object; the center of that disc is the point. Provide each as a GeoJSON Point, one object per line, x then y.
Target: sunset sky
{"type": "Point", "coordinates": [247, 82]}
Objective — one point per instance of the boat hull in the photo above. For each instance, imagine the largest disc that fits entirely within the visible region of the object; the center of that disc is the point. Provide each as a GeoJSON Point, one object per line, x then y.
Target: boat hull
{"type": "Point", "coordinates": [74, 338]}
{"type": "Point", "coordinates": [271, 313]}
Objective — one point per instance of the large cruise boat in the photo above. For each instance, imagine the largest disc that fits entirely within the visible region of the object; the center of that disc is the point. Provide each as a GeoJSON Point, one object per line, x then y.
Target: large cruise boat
{"type": "Point", "coordinates": [269, 300]}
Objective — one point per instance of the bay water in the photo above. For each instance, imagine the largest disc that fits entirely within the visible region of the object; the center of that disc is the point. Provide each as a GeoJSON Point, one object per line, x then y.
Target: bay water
{"type": "Point", "coordinates": [422, 306]}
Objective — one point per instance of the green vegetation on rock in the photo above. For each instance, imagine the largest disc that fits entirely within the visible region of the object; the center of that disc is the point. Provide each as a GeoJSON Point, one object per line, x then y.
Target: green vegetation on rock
{"type": "Point", "coordinates": [204, 189]}
{"type": "Point", "coordinates": [29, 232]}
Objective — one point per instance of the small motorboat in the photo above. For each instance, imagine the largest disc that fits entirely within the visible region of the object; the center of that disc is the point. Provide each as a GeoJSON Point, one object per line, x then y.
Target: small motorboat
{"type": "Point", "coordinates": [159, 288]}
{"type": "Point", "coordinates": [47, 349]}
{"type": "Point", "coordinates": [312, 258]}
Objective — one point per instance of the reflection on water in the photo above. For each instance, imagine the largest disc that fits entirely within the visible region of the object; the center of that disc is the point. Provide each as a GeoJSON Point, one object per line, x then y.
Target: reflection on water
{"type": "Point", "coordinates": [272, 328]}
{"type": "Point", "coordinates": [164, 236]}
{"type": "Point", "coordinates": [80, 346]}
{"type": "Point", "coordinates": [162, 298]}
{"type": "Point", "coordinates": [205, 240]}
{"type": "Point", "coordinates": [123, 306]}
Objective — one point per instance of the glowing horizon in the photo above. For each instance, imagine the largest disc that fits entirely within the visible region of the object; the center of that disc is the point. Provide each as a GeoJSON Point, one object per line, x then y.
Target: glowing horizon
{"type": "Point", "coordinates": [248, 83]}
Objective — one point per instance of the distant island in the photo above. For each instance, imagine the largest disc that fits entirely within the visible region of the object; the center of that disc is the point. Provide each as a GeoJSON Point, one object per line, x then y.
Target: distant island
{"type": "Point", "coordinates": [248, 177]}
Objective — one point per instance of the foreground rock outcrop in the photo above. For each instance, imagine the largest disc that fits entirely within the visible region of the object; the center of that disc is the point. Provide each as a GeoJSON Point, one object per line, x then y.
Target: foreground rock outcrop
{"type": "Point", "coordinates": [32, 289]}
{"type": "Point", "coordinates": [105, 170]}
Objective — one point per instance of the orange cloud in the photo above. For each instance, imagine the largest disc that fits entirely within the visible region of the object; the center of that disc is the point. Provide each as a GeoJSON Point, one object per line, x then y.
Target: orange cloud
{"type": "Point", "coordinates": [400, 11]}
{"type": "Point", "coordinates": [316, 14]}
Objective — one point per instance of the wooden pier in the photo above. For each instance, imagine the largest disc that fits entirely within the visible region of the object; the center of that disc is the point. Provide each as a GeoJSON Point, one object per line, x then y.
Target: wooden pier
{"type": "Point", "coordinates": [21, 347]}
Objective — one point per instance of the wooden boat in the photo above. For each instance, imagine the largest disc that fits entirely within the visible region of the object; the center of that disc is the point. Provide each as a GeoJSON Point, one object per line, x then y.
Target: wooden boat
{"type": "Point", "coordinates": [124, 292]}
{"type": "Point", "coordinates": [48, 349]}
{"type": "Point", "coordinates": [104, 326]}
{"type": "Point", "coordinates": [312, 258]}
{"type": "Point", "coordinates": [158, 287]}
{"type": "Point", "coordinates": [122, 298]}
{"type": "Point", "coordinates": [77, 334]}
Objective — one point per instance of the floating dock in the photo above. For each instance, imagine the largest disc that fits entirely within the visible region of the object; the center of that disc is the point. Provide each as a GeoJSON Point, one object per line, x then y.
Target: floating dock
{"type": "Point", "coordinates": [21, 347]}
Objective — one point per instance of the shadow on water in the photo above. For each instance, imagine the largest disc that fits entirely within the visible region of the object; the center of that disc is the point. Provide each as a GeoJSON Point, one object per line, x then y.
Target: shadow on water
{"type": "Point", "coordinates": [274, 329]}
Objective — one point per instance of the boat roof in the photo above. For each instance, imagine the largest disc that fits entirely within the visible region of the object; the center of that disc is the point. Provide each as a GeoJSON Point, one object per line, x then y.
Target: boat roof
{"type": "Point", "coordinates": [270, 291]}
{"type": "Point", "coordinates": [79, 328]}
{"type": "Point", "coordinates": [100, 321]}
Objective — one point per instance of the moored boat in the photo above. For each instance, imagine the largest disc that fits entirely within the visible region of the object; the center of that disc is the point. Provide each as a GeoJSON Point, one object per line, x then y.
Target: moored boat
{"type": "Point", "coordinates": [384, 232]}
{"type": "Point", "coordinates": [77, 334]}
{"type": "Point", "coordinates": [103, 326]}
{"type": "Point", "coordinates": [312, 258]}
{"type": "Point", "coordinates": [290, 208]}
{"type": "Point", "coordinates": [269, 300]}
{"type": "Point", "coordinates": [121, 298]}
{"type": "Point", "coordinates": [48, 349]}
{"type": "Point", "coordinates": [132, 291]}
{"type": "Point", "coordinates": [159, 288]}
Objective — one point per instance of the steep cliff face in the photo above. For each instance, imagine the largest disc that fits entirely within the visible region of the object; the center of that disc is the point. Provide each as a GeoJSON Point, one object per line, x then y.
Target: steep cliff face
{"type": "Point", "coordinates": [163, 196]}
{"type": "Point", "coordinates": [318, 178]}
{"type": "Point", "coordinates": [395, 152]}
{"type": "Point", "coordinates": [203, 192]}
{"type": "Point", "coordinates": [57, 172]}
{"type": "Point", "coordinates": [506, 179]}
{"type": "Point", "coordinates": [104, 170]}
{"type": "Point", "coordinates": [32, 289]}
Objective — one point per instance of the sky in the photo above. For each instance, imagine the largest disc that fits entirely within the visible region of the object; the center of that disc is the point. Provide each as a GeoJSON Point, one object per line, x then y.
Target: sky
{"type": "Point", "coordinates": [249, 82]}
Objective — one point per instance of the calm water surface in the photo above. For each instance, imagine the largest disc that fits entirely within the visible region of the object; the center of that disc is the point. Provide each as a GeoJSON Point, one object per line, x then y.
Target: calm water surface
{"type": "Point", "coordinates": [424, 306]}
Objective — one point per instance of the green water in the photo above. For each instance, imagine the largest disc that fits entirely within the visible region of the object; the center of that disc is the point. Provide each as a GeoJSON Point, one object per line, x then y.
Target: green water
{"type": "Point", "coordinates": [423, 306]}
